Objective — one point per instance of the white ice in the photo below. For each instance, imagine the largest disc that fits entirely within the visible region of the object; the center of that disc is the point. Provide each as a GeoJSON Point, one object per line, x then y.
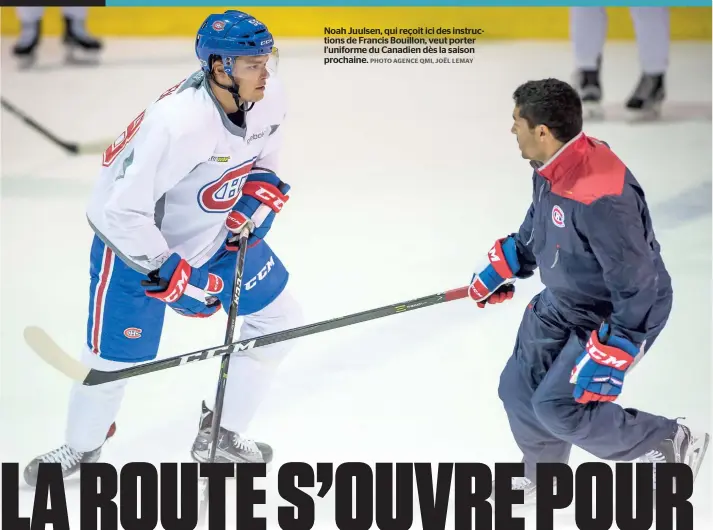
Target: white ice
{"type": "Point", "coordinates": [402, 177]}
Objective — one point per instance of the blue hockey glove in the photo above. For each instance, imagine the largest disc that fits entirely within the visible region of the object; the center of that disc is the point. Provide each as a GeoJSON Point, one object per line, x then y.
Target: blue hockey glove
{"type": "Point", "coordinates": [494, 284]}
{"type": "Point", "coordinates": [263, 197]}
{"type": "Point", "coordinates": [601, 367]}
{"type": "Point", "coordinates": [186, 290]}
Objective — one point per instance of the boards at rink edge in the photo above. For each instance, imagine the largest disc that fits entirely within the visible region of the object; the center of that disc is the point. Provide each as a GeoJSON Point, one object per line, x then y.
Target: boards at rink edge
{"type": "Point", "coordinates": [387, 496]}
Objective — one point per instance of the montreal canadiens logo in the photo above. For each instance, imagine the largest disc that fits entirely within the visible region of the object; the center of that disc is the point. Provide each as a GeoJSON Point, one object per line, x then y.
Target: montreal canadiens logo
{"type": "Point", "coordinates": [132, 333]}
{"type": "Point", "coordinates": [218, 25]}
{"type": "Point", "coordinates": [221, 195]}
{"type": "Point", "coordinates": [558, 217]}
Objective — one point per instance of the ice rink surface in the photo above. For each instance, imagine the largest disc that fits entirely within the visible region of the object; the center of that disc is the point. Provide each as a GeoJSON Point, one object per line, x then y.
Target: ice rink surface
{"type": "Point", "coordinates": [402, 176]}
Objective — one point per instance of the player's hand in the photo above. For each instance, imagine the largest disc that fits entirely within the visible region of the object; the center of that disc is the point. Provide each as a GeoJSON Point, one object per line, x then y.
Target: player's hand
{"type": "Point", "coordinates": [263, 197]}
{"type": "Point", "coordinates": [494, 284]}
{"type": "Point", "coordinates": [187, 290]}
{"type": "Point", "coordinates": [598, 374]}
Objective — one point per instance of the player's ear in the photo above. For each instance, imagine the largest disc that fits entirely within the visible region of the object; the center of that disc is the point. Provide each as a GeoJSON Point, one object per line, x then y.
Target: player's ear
{"type": "Point", "coordinates": [217, 67]}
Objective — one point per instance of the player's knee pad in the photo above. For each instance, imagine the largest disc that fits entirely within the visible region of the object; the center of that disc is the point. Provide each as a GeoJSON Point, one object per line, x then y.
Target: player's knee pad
{"type": "Point", "coordinates": [283, 313]}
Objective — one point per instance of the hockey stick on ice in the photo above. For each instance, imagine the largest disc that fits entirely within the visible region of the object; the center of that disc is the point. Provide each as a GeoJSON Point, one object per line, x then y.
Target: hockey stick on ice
{"type": "Point", "coordinates": [72, 147]}
{"type": "Point", "coordinates": [224, 364]}
{"type": "Point", "coordinates": [43, 345]}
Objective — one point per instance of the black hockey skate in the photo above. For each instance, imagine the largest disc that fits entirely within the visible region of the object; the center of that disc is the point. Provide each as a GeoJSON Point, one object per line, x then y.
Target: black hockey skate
{"type": "Point", "coordinates": [646, 100]}
{"type": "Point", "coordinates": [69, 458]}
{"type": "Point", "coordinates": [590, 92]}
{"type": "Point", "coordinates": [81, 46]}
{"type": "Point", "coordinates": [232, 448]}
{"type": "Point", "coordinates": [25, 48]}
{"type": "Point", "coordinates": [683, 448]}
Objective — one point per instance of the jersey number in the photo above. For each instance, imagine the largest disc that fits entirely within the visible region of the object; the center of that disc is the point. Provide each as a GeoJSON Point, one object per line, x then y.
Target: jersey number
{"type": "Point", "coordinates": [115, 149]}
{"type": "Point", "coordinates": [124, 138]}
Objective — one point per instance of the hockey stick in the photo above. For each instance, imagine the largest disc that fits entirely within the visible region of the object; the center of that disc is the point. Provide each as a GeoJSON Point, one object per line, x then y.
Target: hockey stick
{"type": "Point", "coordinates": [45, 347]}
{"type": "Point", "coordinates": [72, 147]}
{"type": "Point", "coordinates": [224, 364]}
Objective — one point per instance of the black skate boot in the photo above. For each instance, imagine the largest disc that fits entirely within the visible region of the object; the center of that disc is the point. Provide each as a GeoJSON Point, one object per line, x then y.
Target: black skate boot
{"type": "Point", "coordinates": [682, 448]}
{"type": "Point", "coordinates": [69, 458]}
{"type": "Point", "coordinates": [590, 92]}
{"type": "Point", "coordinates": [26, 46]}
{"type": "Point", "coordinates": [232, 448]}
{"type": "Point", "coordinates": [646, 100]}
{"type": "Point", "coordinates": [76, 39]}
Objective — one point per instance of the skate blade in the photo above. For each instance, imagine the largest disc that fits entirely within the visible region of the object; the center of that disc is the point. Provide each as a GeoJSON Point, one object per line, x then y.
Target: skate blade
{"type": "Point", "coordinates": [76, 56]}
{"type": "Point", "coordinates": [592, 111]}
{"type": "Point", "coordinates": [648, 114]}
{"type": "Point", "coordinates": [26, 62]}
{"type": "Point", "coordinates": [218, 460]}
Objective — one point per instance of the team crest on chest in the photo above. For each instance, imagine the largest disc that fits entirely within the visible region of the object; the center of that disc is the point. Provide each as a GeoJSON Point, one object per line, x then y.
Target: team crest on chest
{"type": "Point", "coordinates": [558, 216]}
{"type": "Point", "coordinates": [221, 195]}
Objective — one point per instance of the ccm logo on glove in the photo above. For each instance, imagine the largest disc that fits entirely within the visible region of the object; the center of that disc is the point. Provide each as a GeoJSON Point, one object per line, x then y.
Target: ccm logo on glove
{"type": "Point", "coordinates": [186, 290]}
{"type": "Point", "coordinates": [608, 356]}
{"type": "Point", "coordinates": [494, 284]}
{"type": "Point", "coordinates": [267, 194]}
{"type": "Point", "coordinates": [599, 371]}
{"type": "Point", "coordinates": [179, 282]}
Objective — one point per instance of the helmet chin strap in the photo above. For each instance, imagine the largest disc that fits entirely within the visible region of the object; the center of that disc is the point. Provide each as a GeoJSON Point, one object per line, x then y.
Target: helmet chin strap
{"type": "Point", "coordinates": [234, 90]}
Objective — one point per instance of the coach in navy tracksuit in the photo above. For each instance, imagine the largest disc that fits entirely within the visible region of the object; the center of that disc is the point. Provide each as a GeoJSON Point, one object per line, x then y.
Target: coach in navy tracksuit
{"type": "Point", "coordinates": [607, 297]}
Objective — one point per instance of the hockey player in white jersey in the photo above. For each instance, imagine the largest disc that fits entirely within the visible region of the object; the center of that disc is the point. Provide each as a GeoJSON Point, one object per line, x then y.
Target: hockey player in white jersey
{"type": "Point", "coordinates": [175, 189]}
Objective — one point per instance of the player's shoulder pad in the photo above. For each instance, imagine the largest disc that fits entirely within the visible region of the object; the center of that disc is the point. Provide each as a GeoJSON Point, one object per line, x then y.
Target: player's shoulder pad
{"type": "Point", "coordinates": [189, 113]}
{"type": "Point", "coordinates": [590, 171]}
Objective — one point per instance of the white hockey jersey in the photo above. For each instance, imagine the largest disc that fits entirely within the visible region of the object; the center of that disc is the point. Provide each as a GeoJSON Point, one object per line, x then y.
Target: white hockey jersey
{"type": "Point", "coordinates": [168, 182]}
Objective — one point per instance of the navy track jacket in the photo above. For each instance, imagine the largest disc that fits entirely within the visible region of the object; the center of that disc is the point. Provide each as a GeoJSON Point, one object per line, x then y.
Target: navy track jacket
{"type": "Point", "coordinates": [589, 232]}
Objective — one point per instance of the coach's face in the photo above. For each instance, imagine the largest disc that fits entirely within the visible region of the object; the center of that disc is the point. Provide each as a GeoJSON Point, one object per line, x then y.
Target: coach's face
{"type": "Point", "coordinates": [525, 135]}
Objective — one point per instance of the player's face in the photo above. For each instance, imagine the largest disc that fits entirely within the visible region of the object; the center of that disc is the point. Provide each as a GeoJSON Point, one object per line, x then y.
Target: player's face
{"type": "Point", "coordinates": [251, 75]}
{"type": "Point", "coordinates": [527, 138]}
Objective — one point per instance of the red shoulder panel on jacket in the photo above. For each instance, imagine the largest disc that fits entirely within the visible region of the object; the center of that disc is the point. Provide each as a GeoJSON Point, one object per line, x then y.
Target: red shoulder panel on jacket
{"type": "Point", "coordinates": [585, 170]}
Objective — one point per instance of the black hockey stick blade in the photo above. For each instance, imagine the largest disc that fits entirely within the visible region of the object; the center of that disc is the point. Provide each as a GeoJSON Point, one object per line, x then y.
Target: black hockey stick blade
{"type": "Point", "coordinates": [46, 348]}
{"type": "Point", "coordinates": [71, 147]}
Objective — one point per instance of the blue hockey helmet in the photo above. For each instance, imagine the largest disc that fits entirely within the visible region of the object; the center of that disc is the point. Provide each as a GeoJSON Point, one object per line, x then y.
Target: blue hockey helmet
{"type": "Point", "coordinates": [229, 35]}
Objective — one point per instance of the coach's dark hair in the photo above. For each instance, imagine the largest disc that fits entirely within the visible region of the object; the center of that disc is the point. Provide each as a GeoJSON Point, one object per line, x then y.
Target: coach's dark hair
{"type": "Point", "coordinates": [553, 103]}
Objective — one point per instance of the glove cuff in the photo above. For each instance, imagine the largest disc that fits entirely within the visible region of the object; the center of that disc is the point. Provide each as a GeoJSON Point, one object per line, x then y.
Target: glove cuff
{"type": "Point", "coordinates": [263, 175]}
{"type": "Point", "coordinates": [606, 336]}
{"type": "Point", "coordinates": [503, 258]}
